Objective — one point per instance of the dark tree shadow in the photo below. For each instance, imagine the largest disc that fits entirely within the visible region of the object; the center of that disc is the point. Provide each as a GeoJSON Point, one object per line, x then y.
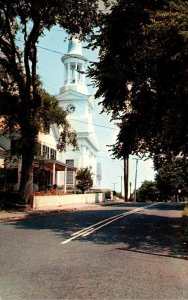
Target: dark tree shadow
{"type": "Point", "coordinates": [145, 233]}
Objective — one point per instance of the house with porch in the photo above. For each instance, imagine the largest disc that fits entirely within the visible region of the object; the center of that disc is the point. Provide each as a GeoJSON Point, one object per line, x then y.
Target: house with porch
{"type": "Point", "coordinates": [51, 167]}
{"type": "Point", "coordinates": [48, 168]}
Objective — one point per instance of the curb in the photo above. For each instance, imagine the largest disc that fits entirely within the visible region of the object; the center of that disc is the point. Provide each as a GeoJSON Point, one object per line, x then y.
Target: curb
{"type": "Point", "coordinates": [33, 215]}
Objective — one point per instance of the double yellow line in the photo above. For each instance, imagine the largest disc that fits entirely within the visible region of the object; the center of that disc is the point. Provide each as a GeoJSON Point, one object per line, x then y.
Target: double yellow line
{"type": "Point", "coordinates": [90, 229]}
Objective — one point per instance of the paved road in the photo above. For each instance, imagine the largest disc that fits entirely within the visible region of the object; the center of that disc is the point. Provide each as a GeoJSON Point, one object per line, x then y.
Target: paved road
{"type": "Point", "coordinates": [135, 254]}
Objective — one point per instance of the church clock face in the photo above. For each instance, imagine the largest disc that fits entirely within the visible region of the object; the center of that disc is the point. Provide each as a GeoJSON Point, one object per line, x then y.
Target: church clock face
{"type": "Point", "coordinates": [70, 108]}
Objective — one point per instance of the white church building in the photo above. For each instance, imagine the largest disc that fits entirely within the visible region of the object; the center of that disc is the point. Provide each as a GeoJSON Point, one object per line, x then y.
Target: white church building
{"type": "Point", "coordinates": [75, 99]}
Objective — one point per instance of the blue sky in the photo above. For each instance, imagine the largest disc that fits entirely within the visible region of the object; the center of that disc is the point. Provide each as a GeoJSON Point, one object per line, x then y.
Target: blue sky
{"type": "Point", "coordinates": [51, 48]}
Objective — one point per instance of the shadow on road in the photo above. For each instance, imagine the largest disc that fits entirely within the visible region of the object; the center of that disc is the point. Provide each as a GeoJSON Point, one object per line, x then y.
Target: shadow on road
{"type": "Point", "coordinates": [152, 253]}
{"type": "Point", "coordinates": [159, 205]}
{"type": "Point", "coordinates": [142, 232]}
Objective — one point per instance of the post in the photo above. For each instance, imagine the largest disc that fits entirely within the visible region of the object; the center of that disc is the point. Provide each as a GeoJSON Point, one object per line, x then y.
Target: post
{"type": "Point", "coordinates": [65, 180]}
{"type": "Point", "coordinates": [136, 173]}
{"type": "Point", "coordinates": [130, 184]}
{"type": "Point", "coordinates": [114, 183]}
{"type": "Point", "coordinates": [126, 176]}
{"type": "Point", "coordinates": [121, 183]}
{"type": "Point", "coordinates": [53, 176]}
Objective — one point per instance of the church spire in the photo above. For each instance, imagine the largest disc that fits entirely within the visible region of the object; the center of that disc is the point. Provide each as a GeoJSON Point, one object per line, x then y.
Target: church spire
{"type": "Point", "coordinates": [74, 68]}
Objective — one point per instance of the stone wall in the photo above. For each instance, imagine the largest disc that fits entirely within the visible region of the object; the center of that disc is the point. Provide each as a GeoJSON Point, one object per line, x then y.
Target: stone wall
{"type": "Point", "coordinates": [60, 201]}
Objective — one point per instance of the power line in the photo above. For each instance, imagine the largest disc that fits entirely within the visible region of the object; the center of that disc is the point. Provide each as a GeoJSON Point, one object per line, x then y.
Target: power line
{"type": "Point", "coordinates": [51, 50]}
{"type": "Point", "coordinates": [44, 48]}
{"type": "Point", "coordinates": [107, 127]}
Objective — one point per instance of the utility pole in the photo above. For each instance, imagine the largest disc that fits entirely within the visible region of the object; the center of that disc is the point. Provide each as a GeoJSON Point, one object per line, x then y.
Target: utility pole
{"type": "Point", "coordinates": [114, 183]}
{"type": "Point", "coordinates": [130, 184]}
{"type": "Point", "coordinates": [126, 176]}
{"type": "Point", "coordinates": [136, 173]}
{"type": "Point", "coordinates": [121, 183]}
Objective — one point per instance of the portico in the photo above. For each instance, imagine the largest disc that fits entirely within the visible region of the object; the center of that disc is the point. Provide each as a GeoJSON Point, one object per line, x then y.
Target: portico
{"type": "Point", "coordinates": [54, 166]}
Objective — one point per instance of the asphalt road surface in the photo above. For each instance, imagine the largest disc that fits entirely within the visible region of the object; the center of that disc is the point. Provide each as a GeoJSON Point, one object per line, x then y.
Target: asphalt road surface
{"type": "Point", "coordinates": [115, 252]}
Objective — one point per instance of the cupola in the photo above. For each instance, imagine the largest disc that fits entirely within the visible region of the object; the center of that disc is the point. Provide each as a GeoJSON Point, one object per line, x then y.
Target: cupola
{"type": "Point", "coordinates": [74, 68]}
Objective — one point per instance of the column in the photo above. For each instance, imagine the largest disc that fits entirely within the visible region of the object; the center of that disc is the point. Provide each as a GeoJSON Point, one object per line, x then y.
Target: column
{"type": "Point", "coordinates": [83, 156]}
{"type": "Point", "coordinates": [83, 75]}
{"type": "Point", "coordinates": [88, 162]}
{"type": "Point", "coordinates": [65, 180]}
{"type": "Point", "coordinates": [68, 73]}
{"type": "Point", "coordinates": [53, 175]}
{"type": "Point", "coordinates": [74, 179]}
{"type": "Point", "coordinates": [76, 73]}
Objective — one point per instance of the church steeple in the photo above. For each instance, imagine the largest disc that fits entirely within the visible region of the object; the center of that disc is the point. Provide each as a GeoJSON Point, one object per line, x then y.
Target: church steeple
{"type": "Point", "coordinates": [74, 68]}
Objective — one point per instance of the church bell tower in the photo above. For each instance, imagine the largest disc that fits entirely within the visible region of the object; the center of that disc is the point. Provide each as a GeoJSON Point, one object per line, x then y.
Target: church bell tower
{"type": "Point", "coordinates": [74, 68]}
{"type": "Point", "coordinates": [75, 99]}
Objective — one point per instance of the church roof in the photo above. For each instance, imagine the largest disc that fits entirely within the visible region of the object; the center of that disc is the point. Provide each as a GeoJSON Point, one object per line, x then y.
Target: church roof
{"type": "Point", "coordinates": [71, 94]}
{"type": "Point", "coordinates": [75, 47]}
{"type": "Point", "coordinates": [91, 138]}
{"type": "Point", "coordinates": [74, 50]}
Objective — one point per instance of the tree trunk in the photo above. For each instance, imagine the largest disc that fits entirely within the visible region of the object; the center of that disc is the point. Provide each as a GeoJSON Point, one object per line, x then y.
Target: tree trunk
{"type": "Point", "coordinates": [26, 180]}
{"type": "Point", "coordinates": [29, 135]}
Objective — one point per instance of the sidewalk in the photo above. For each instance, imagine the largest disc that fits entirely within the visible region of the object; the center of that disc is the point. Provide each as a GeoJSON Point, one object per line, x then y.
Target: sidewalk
{"type": "Point", "coordinates": [7, 216]}
{"type": "Point", "coordinates": [13, 215]}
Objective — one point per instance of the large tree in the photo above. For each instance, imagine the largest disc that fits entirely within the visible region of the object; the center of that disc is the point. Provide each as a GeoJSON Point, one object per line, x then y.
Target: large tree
{"type": "Point", "coordinates": [172, 178]}
{"type": "Point", "coordinates": [142, 75]}
{"type": "Point", "coordinates": [26, 21]}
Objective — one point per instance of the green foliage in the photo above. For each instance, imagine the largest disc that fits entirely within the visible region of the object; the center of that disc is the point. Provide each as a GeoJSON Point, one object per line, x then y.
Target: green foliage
{"type": "Point", "coordinates": [148, 191]}
{"type": "Point", "coordinates": [84, 179]}
{"type": "Point", "coordinates": [172, 177]}
{"type": "Point", "coordinates": [175, 15]}
{"type": "Point", "coordinates": [185, 225]}
{"type": "Point", "coordinates": [108, 194]}
{"type": "Point", "coordinates": [142, 76]}
{"type": "Point", "coordinates": [168, 180]}
{"type": "Point", "coordinates": [52, 113]}
{"type": "Point", "coordinates": [119, 195]}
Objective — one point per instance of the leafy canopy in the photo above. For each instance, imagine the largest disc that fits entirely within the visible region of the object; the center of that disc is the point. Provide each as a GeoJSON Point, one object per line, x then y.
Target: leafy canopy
{"type": "Point", "coordinates": [142, 76]}
{"type": "Point", "coordinates": [170, 180]}
{"type": "Point", "coordinates": [172, 177]}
